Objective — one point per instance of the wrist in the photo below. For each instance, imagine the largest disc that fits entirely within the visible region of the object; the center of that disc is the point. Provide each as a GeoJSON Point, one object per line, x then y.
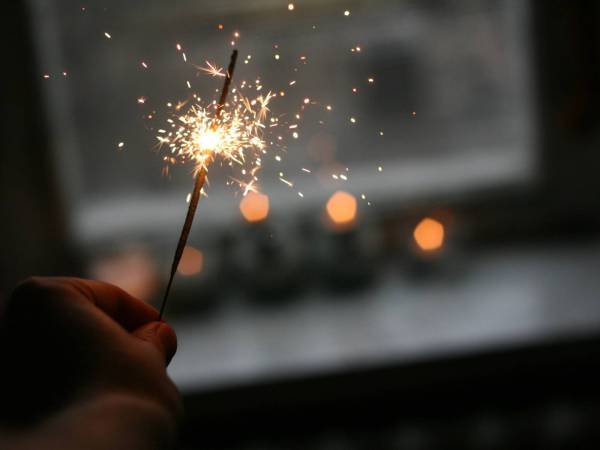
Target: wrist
{"type": "Point", "coordinates": [108, 421]}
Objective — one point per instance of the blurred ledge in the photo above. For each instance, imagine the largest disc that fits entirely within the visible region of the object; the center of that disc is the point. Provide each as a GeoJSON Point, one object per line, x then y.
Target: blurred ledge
{"type": "Point", "coordinates": [496, 299]}
{"type": "Point", "coordinates": [403, 393]}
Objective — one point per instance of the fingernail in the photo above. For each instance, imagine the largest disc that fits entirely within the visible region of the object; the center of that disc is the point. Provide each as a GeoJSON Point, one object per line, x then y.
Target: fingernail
{"type": "Point", "coordinates": [154, 327]}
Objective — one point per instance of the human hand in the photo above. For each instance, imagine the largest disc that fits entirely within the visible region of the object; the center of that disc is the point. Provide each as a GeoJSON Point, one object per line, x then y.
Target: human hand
{"type": "Point", "coordinates": [84, 366]}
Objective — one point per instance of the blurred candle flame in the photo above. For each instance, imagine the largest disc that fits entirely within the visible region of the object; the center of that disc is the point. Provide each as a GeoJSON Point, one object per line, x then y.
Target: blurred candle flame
{"type": "Point", "coordinates": [429, 234]}
{"type": "Point", "coordinates": [192, 261]}
{"type": "Point", "coordinates": [341, 208]}
{"type": "Point", "coordinates": [254, 207]}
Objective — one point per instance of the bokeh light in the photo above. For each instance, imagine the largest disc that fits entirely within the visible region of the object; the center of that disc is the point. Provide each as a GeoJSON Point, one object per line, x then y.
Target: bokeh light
{"type": "Point", "coordinates": [255, 207]}
{"type": "Point", "coordinates": [133, 270]}
{"type": "Point", "coordinates": [429, 234]}
{"type": "Point", "coordinates": [341, 208]}
{"type": "Point", "coordinates": [192, 261]}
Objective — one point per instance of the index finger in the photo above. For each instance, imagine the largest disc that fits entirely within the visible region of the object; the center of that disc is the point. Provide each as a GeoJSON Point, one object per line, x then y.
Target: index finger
{"type": "Point", "coordinates": [130, 312]}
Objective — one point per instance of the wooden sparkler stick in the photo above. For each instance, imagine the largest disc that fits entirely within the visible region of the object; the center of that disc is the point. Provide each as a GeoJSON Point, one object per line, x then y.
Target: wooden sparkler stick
{"type": "Point", "coordinates": [200, 179]}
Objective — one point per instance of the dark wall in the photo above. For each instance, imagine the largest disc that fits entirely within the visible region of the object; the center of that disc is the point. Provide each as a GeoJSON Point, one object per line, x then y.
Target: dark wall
{"type": "Point", "coordinates": [567, 52]}
{"type": "Point", "coordinates": [31, 224]}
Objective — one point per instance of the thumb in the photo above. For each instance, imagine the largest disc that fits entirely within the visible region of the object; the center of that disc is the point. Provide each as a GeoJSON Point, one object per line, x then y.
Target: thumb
{"type": "Point", "coordinates": [161, 336]}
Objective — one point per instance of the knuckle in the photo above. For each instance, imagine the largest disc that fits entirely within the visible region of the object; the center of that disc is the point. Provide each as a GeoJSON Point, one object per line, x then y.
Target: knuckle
{"type": "Point", "coordinates": [29, 288]}
{"type": "Point", "coordinates": [34, 291]}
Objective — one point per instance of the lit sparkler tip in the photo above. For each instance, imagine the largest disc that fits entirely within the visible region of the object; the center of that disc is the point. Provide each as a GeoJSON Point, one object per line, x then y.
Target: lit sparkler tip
{"type": "Point", "coordinates": [232, 131]}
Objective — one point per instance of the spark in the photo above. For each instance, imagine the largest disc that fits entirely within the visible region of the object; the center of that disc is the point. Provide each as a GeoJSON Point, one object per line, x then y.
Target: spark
{"type": "Point", "coordinates": [213, 69]}
{"type": "Point", "coordinates": [276, 56]}
{"type": "Point", "coordinates": [178, 46]}
{"type": "Point", "coordinates": [306, 101]}
{"type": "Point", "coordinates": [300, 194]}
{"type": "Point", "coordinates": [108, 36]}
{"type": "Point", "coordinates": [144, 65]}
{"type": "Point", "coordinates": [283, 180]}
{"type": "Point", "coordinates": [46, 76]}
{"type": "Point", "coordinates": [306, 170]}
{"type": "Point", "coordinates": [352, 119]}
{"type": "Point", "coordinates": [64, 74]}
{"type": "Point", "coordinates": [220, 26]}
{"type": "Point", "coordinates": [291, 7]}
{"type": "Point", "coordinates": [121, 144]}
{"type": "Point", "coordinates": [247, 187]}
{"type": "Point", "coordinates": [379, 169]}
{"type": "Point", "coordinates": [370, 80]}
{"type": "Point", "coordinates": [141, 100]}
{"type": "Point", "coordinates": [346, 13]}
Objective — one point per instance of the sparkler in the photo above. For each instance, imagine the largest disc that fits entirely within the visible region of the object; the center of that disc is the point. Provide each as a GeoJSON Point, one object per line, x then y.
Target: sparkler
{"type": "Point", "coordinates": [205, 141]}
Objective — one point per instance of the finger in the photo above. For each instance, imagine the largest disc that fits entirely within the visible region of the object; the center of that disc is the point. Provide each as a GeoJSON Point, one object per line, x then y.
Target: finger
{"type": "Point", "coordinates": [161, 336]}
{"type": "Point", "coordinates": [128, 311]}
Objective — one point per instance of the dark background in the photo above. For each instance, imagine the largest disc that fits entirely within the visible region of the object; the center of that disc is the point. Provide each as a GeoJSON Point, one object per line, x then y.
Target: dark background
{"type": "Point", "coordinates": [495, 342]}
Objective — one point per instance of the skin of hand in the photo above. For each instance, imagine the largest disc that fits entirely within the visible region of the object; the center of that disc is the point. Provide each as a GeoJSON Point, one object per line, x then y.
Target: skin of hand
{"type": "Point", "coordinates": [84, 366]}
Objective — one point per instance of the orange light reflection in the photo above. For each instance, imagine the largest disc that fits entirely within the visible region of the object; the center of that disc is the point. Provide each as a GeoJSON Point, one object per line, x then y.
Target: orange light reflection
{"type": "Point", "coordinates": [255, 207]}
{"type": "Point", "coordinates": [192, 261]}
{"type": "Point", "coordinates": [429, 234]}
{"type": "Point", "coordinates": [341, 208]}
